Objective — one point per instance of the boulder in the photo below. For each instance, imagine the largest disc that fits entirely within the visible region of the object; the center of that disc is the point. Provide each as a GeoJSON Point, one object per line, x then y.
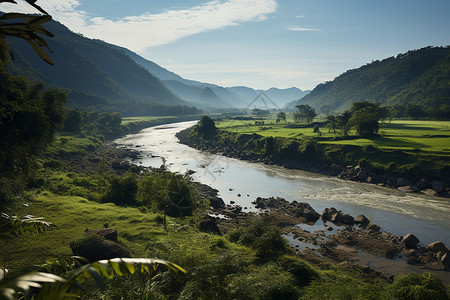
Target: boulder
{"type": "Point", "coordinates": [108, 233]}
{"type": "Point", "coordinates": [209, 226]}
{"type": "Point", "coordinates": [347, 219]}
{"type": "Point", "coordinates": [403, 181]}
{"type": "Point", "coordinates": [446, 260]}
{"type": "Point", "coordinates": [309, 214]}
{"type": "Point", "coordinates": [438, 185]}
{"type": "Point", "coordinates": [374, 228]}
{"type": "Point", "coordinates": [328, 213]}
{"type": "Point", "coordinates": [259, 204]}
{"type": "Point", "coordinates": [437, 247]}
{"type": "Point", "coordinates": [94, 247]}
{"type": "Point", "coordinates": [410, 241]}
{"type": "Point", "coordinates": [361, 219]}
{"type": "Point", "coordinates": [409, 188]}
{"type": "Point", "coordinates": [429, 192]}
{"type": "Point", "coordinates": [422, 183]}
{"type": "Point", "coordinates": [362, 176]}
{"type": "Point", "coordinates": [216, 202]}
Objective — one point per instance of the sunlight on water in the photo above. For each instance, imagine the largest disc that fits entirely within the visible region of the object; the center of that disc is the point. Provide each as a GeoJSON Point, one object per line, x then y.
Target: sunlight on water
{"type": "Point", "coordinates": [242, 182]}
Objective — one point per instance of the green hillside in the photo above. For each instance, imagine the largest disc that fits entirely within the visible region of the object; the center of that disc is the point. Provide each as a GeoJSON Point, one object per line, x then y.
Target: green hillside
{"type": "Point", "coordinates": [420, 77]}
{"type": "Point", "coordinates": [94, 73]}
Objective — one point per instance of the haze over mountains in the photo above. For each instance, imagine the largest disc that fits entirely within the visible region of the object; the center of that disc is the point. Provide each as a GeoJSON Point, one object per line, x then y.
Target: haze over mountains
{"type": "Point", "coordinates": [109, 77]}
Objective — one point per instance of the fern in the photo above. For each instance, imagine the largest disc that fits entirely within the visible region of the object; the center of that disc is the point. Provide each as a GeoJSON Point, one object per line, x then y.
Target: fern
{"type": "Point", "coordinates": [40, 285]}
{"type": "Point", "coordinates": [27, 225]}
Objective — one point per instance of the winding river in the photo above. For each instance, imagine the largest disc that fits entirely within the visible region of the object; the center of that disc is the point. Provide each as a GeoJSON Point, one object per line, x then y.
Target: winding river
{"type": "Point", "coordinates": [426, 217]}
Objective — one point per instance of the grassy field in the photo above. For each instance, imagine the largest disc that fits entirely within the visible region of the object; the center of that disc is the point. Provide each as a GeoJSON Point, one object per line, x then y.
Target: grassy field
{"type": "Point", "coordinates": [72, 215]}
{"type": "Point", "coordinates": [429, 136]}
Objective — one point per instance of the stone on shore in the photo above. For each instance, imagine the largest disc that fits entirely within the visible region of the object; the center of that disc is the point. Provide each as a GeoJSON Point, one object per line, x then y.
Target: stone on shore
{"type": "Point", "coordinates": [410, 241]}
{"type": "Point", "coordinates": [403, 182]}
{"type": "Point", "coordinates": [438, 185]}
{"type": "Point", "coordinates": [361, 219]}
{"type": "Point", "coordinates": [438, 247]}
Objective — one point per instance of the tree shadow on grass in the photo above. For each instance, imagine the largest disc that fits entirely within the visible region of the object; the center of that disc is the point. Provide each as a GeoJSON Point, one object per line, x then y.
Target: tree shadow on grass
{"type": "Point", "coordinates": [381, 141]}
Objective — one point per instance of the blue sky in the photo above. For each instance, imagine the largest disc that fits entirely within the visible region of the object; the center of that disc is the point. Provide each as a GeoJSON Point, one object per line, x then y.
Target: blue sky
{"type": "Point", "coordinates": [258, 43]}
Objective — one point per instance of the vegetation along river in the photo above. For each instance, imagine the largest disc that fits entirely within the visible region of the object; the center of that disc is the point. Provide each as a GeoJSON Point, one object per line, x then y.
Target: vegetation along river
{"type": "Point", "coordinates": [396, 212]}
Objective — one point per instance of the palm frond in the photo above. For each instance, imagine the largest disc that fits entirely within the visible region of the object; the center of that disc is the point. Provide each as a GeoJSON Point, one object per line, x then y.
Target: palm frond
{"type": "Point", "coordinates": [27, 225]}
{"type": "Point", "coordinates": [39, 285]}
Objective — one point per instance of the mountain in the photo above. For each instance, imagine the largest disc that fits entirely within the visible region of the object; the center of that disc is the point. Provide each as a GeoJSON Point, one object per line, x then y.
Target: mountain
{"type": "Point", "coordinates": [191, 90]}
{"type": "Point", "coordinates": [282, 96]}
{"type": "Point", "coordinates": [93, 73]}
{"type": "Point", "coordinates": [419, 77]}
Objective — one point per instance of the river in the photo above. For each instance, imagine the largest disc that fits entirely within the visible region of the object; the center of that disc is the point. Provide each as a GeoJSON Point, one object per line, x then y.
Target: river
{"type": "Point", "coordinates": [396, 212]}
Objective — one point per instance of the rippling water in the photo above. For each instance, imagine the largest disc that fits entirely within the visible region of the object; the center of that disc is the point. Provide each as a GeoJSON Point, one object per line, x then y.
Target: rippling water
{"type": "Point", "coordinates": [426, 217]}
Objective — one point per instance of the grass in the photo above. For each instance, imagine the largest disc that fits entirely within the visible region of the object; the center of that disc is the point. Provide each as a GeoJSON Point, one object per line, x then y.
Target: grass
{"type": "Point", "coordinates": [129, 120]}
{"type": "Point", "coordinates": [429, 136]}
{"type": "Point", "coordinates": [72, 215]}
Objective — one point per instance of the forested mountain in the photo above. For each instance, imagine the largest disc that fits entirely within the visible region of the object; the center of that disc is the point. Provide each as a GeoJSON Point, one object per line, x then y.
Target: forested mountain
{"type": "Point", "coordinates": [420, 77]}
{"type": "Point", "coordinates": [113, 78]}
{"type": "Point", "coordinates": [92, 73]}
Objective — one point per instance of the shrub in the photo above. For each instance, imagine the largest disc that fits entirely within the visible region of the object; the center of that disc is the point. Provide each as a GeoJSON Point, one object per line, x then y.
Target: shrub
{"type": "Point", "coordinates": [265, 282]}
{"type": "Point", "coordinates": [417, 287]}
{"type": "Point", "coordinates": [206, 128]}
{"type": "Point", "coordinates": [263, 237]}
{"type": "Point", "coordinates": [121, 190]}
{"type": "Point", "coordinates": [365, 164]}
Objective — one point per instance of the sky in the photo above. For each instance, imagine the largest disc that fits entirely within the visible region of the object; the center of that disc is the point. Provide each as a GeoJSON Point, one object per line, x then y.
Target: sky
{"type": "Point", "coordinates": [257, 43]}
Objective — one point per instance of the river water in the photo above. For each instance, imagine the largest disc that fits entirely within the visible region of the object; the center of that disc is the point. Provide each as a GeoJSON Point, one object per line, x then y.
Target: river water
{"type": "Point", "coordinates": [396, 212]}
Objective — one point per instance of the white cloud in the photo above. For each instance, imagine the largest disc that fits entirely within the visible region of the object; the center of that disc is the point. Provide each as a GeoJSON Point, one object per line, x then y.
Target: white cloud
{"type": "Point", "coordinates": [298, 28]}
{"type": "Point", "coordinates": [149, 30]}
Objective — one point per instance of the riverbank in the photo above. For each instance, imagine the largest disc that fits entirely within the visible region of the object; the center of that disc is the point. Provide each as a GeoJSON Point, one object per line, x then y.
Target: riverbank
{"type": "Point", "coordinates": [334, 237]}
{"type": "Point", "coordinates": [332, 161]}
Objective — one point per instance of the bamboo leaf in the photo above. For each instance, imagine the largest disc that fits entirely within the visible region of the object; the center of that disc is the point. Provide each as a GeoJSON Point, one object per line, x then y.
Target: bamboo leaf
{"type": "Point", "coordinates": [41, 52]}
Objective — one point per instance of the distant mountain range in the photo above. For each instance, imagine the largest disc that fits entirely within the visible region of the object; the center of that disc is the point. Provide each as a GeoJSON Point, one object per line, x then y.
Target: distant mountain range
{"type": "Point", "coordinates": [110, 77]}
{"type": "Point", "coordinates": [208, 95]}
{"type": "Point", "coordinates": [420, 77]}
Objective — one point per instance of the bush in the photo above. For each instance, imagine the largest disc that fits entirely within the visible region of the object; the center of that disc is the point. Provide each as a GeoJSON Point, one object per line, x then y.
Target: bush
{"type": "Point", "coordinates": [263, 237]}
{"type": "Point", "coordinates": [265, 282]}
{"type": "Point", "coordinates": [417, 287]}
{"type": "Point", "coordinates": [121, 190]}
{"type": "Point", "coordinates": [206, 128]}
{"type": "Point", "coordinates": [365, 164]}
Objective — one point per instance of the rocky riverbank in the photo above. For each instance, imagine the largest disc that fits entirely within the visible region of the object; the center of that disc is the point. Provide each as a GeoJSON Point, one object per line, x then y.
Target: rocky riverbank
{"type": "Point", "coordinates": [332, 236]}
{"type": "Point", "coordinates": [414, 184]}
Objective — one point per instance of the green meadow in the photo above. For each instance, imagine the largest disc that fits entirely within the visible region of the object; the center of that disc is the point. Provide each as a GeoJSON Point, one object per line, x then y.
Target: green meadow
{"type": "Point", "coordinates": [409, 135]}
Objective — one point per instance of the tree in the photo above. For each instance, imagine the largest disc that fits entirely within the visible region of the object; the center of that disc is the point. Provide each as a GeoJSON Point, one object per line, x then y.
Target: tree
{"type": "Point", "coordinates": [73, 121]}
{"type": "Point", "coordinates": [365, 117]}
{"type": "Point", "coordinates": [343, 121]}
{"type": "Point", "coordinates": [206, 127]}
{"type": "Point", "coordinates": [332, 123]}
{"type": "Point", "coordinates": [29, 117]}
{"type": "Point", "coordinates": [365, 121]}
{"type": "Point", "coordinates": [281, 116]}
{"type": "Point", "coordinates": [414, 111]}
{"type": "Point", "coordinates": [307, 112]}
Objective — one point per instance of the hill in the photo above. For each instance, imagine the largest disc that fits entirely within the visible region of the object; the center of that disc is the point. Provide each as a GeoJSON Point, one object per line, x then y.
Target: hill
{"type": "Point", "coordinates": [420, 77]}
{"type": "Point", "coordinates": [93, 73]}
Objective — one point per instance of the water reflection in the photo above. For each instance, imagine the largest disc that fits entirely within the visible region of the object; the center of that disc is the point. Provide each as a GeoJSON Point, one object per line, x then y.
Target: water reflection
{"type": "Point", "coordinates": [394, 211]}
